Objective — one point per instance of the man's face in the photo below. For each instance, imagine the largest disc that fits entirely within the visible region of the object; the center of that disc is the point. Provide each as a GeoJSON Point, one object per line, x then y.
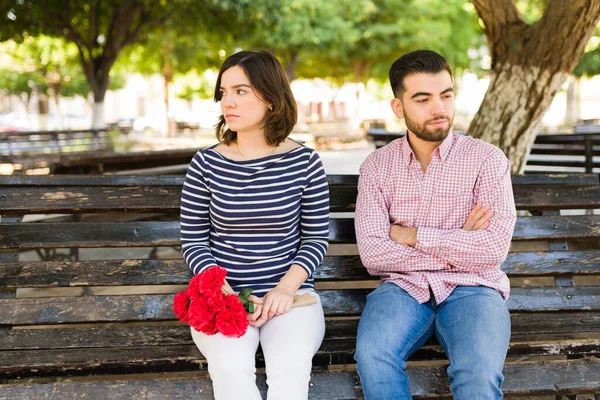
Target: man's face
{"type": "Point", "coordinates": [427, 105]}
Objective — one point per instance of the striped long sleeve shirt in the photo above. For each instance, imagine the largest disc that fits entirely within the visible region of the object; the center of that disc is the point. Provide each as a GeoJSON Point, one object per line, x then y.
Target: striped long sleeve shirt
{"type": "Point", "coordinates": [255, 218]}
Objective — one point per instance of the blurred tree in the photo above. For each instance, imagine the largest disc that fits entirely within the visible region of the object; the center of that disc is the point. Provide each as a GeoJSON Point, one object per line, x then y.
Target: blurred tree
{"type": "Point", "coordinates": [55, 62]}
{"type": "Point", "coordinates": [293, 28]}
{"type": "Point", "coordinates": [176, 51]}
{"type": "Point", "coordinates": [530, 62]}
{"type": "Point", "coordinates": [588, 66]}
{"type": "Point", "coordinates": [383, 30]}
{"type": "Point", "coordinates": [21, 84]}
{"type": "Point", "coordinates": [101, 29]}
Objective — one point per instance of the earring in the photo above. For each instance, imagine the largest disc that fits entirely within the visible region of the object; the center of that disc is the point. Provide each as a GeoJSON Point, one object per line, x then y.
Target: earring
{"type": "Point", "coordinates": [270, 108]}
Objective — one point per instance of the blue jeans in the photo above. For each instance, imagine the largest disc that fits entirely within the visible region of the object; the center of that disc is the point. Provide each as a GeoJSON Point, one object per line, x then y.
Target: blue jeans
{"type": "Point", "coordinates": [472, 325]}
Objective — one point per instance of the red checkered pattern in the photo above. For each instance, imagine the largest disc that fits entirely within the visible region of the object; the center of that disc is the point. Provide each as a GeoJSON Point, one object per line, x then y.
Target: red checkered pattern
{"type": "Point", "coordinates": [393, 189]}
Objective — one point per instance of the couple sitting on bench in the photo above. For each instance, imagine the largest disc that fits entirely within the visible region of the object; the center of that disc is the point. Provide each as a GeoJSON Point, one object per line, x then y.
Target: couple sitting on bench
{"type": "Point", "coordinates": [434, 218]}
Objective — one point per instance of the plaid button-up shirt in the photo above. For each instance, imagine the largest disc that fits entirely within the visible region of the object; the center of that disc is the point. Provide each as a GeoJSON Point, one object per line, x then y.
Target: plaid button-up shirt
{"type": "Point", "coordinates": [393, 189]}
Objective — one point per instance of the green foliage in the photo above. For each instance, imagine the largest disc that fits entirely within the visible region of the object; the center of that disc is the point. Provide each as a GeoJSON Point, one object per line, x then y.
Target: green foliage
{"type": "Point", "coordinates": [20, 83]}
{"type": "Point", "coordinates": [193, 85]}
{"type": "Point", "coordinates": [44, 62]}
{"type": "Point", "coordinates": [589, 65]}
{"type": "Point", "coordinates": [343, 40]}
{"type": "Point", "coordinates": [532, 10]}
{"type": "Point", "coordinates": [382, 30]}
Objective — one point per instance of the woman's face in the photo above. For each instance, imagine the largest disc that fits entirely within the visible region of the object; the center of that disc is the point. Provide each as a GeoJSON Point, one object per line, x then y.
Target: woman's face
{"type": "Point", "coordinates": [243, 109]}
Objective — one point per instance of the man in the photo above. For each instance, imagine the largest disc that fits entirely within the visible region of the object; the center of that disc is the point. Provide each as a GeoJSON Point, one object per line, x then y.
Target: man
{"type": "Point", "coordinates": [434, 218]}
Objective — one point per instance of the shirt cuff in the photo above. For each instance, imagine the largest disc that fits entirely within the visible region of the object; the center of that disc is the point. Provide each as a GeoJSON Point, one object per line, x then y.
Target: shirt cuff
{"type": "Point", "coordinates": [428, 240]}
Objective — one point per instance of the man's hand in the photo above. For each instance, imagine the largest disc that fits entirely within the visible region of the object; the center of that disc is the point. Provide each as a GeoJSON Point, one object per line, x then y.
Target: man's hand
{"type": "Point", "coordinates": [479, 218]}
{"type": "Point", "coordinates": [403, 235]}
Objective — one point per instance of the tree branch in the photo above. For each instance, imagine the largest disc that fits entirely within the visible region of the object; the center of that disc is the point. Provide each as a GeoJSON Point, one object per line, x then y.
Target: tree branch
{"type": "Point", "coordinates": [94, 17]}
{"type": "Point", "coordinates": [496, 15]}
{"type": "Point", "coordinates": [572, 19]}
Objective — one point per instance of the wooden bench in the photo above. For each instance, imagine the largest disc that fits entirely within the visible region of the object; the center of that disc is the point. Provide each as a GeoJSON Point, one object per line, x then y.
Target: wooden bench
{"type": "Point", "coordinates": [104, 329]}
{"type": "Point", "coordinates": [551, 153]}
{"type": "Point", "coordinates": [325, 133]}
{"type": "Point", "coordinates": [41, 149]}
{"type": "Point", "coordinates": [156, 162]}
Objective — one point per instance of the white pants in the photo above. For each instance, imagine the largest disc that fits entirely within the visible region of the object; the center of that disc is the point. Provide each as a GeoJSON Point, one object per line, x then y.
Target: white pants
{"type": "Point", "coordinates": [288, 341]}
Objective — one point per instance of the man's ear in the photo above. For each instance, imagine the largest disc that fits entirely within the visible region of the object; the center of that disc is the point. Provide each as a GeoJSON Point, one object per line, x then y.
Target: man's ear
{"type": "Point", "coordinates": [397, 108]}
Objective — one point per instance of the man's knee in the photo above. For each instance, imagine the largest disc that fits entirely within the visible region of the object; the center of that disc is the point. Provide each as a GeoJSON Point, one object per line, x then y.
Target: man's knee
{"type": "Point", "coordinates": [482, 380]}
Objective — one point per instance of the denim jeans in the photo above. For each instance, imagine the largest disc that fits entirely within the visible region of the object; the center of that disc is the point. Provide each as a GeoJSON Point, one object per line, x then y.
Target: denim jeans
{"type": "Point", "coordinates": [472, 325]}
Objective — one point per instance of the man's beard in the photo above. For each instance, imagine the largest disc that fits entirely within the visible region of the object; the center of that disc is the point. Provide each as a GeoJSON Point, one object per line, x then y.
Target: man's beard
{"type": "Point", "coordinates": [426, 133]}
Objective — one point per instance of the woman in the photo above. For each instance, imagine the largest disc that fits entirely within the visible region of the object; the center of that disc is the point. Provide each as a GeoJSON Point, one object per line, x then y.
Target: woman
{"type": "Point", "coordinates": [257, 204]}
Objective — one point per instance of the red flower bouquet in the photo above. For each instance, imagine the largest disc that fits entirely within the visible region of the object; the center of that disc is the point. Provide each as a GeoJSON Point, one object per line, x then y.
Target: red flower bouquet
{"type": "Point", "coordinates": [209, 308]}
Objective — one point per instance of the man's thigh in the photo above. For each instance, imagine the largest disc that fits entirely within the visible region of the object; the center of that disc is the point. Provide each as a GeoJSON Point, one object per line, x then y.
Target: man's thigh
{"type": "Point", "coordinates": [473, 323]}
{"type": "Point", "coordinates": [394, 322]}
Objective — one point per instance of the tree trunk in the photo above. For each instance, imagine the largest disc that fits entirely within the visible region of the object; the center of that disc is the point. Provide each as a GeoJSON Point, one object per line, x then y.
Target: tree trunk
{"type": "Point", "coordinates": [99, 94]}
{"type": "Point", "coordinates": [55, 89]}
{"type": "Point", "coordinates": [290, 65]}
{"type": "Point", "coordinates": [529, 65]}
{"type": "Point", "coordinates": [361, 69]}
{"type": "Point", "coordinates": [42, 112]}
{"type": "Point", "coordinates": [167, 72]}
{"type": "Point", "coordinates": [573, 101]}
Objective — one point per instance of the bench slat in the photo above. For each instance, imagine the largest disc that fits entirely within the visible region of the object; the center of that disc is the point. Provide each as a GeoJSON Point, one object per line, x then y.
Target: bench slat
{"type": "Point", "coordinates": [559, 377]}
{"type": "Point", "coordinates": [158, 307]}
{"type": "Point", "coordinates": [334, 268]}
{"type": "Point", "coordinates": [172, 358]}
{"type": "Point", "coordinates": [166, 198]}
{"type": "Point", "coordinates": [526, 328]}
{"type": "Point", "coordinates": [138, 234]}
{"type": "Point", "coordinates": [334, 180]}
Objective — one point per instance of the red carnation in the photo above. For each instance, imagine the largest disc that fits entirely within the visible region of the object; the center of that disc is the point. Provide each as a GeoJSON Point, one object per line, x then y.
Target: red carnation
{"type": "Point", "coordinates": [181, 304]}
{"type": "Point", "coordinates": [202, 316]}
{"type": "Point", "coordinates": [231, 318]}
{"type": "Point", "coordinates": [211, 280]}
{"type": "Point", "coordinates": [207, 309]}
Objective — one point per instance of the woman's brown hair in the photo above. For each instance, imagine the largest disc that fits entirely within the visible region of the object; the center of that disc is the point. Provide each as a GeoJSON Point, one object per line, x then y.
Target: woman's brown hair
{"type": "Point", "coordinates": [269, 80]}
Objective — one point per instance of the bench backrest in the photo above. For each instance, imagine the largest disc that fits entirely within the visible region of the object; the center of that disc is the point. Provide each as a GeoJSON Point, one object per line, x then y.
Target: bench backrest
{"type": "Point", "coordinates": [43, 148]}
{"type": "Point", "coordinates": [137, 211]}
{"type": "Point", "coordinates": [550, 152]}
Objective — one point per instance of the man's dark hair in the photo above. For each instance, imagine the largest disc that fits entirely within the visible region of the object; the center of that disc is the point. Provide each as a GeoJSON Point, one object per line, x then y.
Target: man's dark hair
{"type": "Point", "coordinates": [268, 79]}
{"type": "Point", "coordinates": [419, 61]}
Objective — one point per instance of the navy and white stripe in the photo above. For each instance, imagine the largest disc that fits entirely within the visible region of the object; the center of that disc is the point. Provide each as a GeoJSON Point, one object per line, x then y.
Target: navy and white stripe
{"type": "Point", "coordinates": [255, 218]}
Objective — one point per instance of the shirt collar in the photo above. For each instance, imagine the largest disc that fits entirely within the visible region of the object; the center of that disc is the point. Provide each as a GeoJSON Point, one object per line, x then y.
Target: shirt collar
{"type": "Point", "coordinates": [443, 149]}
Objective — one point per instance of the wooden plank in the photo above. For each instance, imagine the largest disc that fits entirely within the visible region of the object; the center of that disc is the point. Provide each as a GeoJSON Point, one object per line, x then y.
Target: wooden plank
{"type": "Point", "coordinates": [337, 180]}
{"type": "Point", "coordinates": [154, 197]}
{"type": "Point", "coordinates": [99, 180]}
{"type": "Point", "coordinates": [139, 234]}
{"type": "Point", "coordinates": [181, 155]}
{"type": "Point", "coordinates": [89, 199]}
{"type": "Point", "coordinates": [557, 227]}
{"type": "Point", "coordinates": [334, 268]}
{"type": "Point", "coordinates": [555, 179]}
{"type": "Point", "coordinates": [330, 386]}
{"type": "Point", "coordinates": [125, 161]}
{"type": "Point", "coordinates": [550, 377]}
{"type": "Point", "coordinates": [155, 358]}
{"type": "Point", "coordinates": [541, 197]}
{"type": "Point", "coordinates": [526, 229]}
{"type": "Point", "coordinates": [158, 307]}
{"type": "Point", "coordinates": [527, 330]}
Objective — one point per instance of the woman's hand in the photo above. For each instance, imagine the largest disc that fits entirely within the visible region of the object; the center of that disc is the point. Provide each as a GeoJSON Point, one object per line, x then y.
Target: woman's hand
{"type": "Point", "coordinates": [276, 302]}
{"type": "Point", "coordinates": [253, 319]}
